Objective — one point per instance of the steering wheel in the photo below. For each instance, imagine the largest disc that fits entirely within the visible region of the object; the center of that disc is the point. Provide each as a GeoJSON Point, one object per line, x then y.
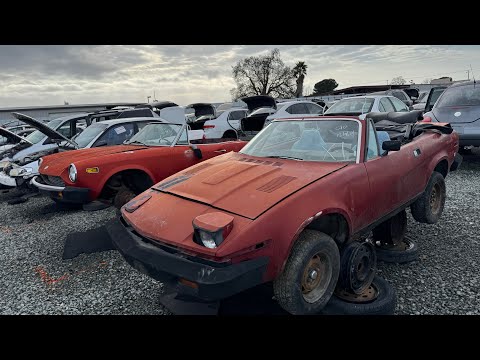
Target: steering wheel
{"type": "Point", "coordinates": [334, 146]}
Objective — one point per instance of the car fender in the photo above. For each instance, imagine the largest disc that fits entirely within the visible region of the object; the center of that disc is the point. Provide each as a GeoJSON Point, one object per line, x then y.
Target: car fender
{"type": "Point", "coordinates": [308, 221]}
{"type": "Point", "coordinates": [107, 175]}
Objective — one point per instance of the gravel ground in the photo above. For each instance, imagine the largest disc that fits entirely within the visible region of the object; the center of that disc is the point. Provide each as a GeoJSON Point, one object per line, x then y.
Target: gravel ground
{"type": "Point", "coordinates": [35, 279]}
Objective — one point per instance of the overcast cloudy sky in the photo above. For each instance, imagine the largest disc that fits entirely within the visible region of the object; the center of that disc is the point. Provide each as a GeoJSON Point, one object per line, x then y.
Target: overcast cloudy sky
{"type": "Point", "coordinates": [50, 75]}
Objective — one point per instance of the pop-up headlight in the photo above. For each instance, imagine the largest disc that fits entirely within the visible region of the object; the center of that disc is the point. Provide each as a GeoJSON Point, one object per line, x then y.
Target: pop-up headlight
{"type": "Point", "coordinates": [211, 229]}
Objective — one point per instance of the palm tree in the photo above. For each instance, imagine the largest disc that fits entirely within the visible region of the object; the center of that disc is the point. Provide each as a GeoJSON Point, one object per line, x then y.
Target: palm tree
{"type": "Point", "coordinates": [299, 71]}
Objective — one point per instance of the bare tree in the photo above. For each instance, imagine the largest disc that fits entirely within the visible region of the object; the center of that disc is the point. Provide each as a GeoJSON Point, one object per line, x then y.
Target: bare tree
{"type": "Point", "coordinates": [427, 81]}
{"type": "Point", "coordinates": [299, 71]}
{"type": "Point", "coordinates": [399, 80]}
{"type": "Point", "coordinates": [263, 75]}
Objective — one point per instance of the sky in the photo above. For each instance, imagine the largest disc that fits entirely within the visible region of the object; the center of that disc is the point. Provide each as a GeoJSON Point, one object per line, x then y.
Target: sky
{"type": "Point", "coordinates": [34, 75]}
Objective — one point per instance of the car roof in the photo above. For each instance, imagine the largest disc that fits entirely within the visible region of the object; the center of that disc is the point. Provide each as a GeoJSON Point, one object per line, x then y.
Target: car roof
{"type": "Point", "coordinates": [320, 118]}
{"type": "Point", "coordinates": [366, 97]}
{"type": "Point", "coordinates": [284, 103]}
{"type": "Point", "coordinates": [127, 120]}
{"type": "Point", "coordinates": [69, 117]}
{"type": "Point", "coordinates": [462, 83]}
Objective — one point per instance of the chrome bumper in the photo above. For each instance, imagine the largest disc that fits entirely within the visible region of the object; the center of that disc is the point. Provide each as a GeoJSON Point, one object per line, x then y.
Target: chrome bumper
{"type": "Point", "coordinates": [47, 187]}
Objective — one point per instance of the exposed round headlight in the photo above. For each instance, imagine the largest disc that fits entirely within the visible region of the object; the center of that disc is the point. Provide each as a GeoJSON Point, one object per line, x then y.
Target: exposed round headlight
{"type": "Point", "coordinates": [207, 239]}
{"type": "Point", "coordinates": [72, 173]}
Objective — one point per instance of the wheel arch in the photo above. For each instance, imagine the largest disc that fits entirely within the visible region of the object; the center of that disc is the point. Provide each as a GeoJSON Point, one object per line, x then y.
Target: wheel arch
{"type": "Point", "coordinates": [442, 167]}
{"type": "Point", "coordinates": [135, 169]}
{"type": "Point", "coordinates": [334, 222]}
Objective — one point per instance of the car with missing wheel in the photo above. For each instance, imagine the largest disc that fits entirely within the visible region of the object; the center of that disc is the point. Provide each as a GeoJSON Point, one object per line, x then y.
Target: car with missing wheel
{"type": "Point", "coordinates": [115, 174]}
{"type": "Point", "coordinates": [288, 208]}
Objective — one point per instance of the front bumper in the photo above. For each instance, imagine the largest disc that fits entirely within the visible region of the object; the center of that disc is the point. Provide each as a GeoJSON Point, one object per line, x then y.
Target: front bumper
{"type": "Point", "coordinates": [456, 162]}
{"type": "Point", "coordinates": [214, 281]}
{"type": "Point", "coordinates": [66, 194]}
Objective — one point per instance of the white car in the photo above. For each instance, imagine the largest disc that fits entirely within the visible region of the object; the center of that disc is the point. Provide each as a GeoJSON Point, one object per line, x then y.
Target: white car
{"type": "Point", "coordinates": [225, 125]}
{"type": "Point", "coordinates": [362, 105]}
{"type": "Point", "coordinates": [289, 109]}
{"type": "Point", "coordinates": [103, 133]}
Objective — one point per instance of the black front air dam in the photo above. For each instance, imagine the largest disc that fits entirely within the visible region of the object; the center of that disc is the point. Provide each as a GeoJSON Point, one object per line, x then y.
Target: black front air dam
{"type": "Point", "coordinates": [214, 282]}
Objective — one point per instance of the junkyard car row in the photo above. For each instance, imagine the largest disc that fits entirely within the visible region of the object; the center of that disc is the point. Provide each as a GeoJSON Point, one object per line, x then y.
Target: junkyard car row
{"type": "Point", "coordinates": [304, 200]}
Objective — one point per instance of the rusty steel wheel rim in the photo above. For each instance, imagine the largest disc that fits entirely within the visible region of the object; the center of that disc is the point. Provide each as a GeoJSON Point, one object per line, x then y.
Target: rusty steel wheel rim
{"type": "Point", "coordinates": [368, 295]}
{"type": "Point", "coordinates": [404, 245]}
{"type": "Point", "coordinates": [435, 198]}
{"type": "Point", "coordinates": [316, 277]}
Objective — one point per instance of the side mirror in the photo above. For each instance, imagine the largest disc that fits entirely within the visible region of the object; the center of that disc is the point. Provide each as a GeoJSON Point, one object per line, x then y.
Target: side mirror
{"type": "Point", "coordinates": [197, 151]}
{"type": "Point", "coordinates": [391, 145]}
{"type": "Point", "coordinates": [101, 143]}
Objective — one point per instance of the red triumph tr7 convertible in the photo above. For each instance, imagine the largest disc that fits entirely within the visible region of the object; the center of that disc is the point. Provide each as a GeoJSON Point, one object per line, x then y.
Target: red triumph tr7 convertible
{"type": "Point", "coordinates": [118, 173]}
{"type": "Point", "coordinates": [287, 208]}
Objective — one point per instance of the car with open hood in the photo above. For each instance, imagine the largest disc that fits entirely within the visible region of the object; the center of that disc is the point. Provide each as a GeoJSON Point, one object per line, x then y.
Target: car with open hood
{"type": "Point", "coordinates": [44, 140]}
{"type": "Point", "coordinates": [99, 134]}
{"type": "Point", "coordinates": [115, 174]}
{"type": "Point", "coordinates": [289, 208]}
{"type": "Point", "coordinates": [9, 139]}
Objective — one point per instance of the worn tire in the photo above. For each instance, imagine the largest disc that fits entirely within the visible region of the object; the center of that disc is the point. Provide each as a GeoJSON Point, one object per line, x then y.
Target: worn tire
{"type": "Point", "coordinates": [398, 256]}
{"type": "Point", "coordinates": [288, 285]}
{"type": "Point", "coordinates": [122, 197]}
{"type": "Point", "coordinates": [422, 207]}
{"type": "Point", "coordinates": [384, 304]}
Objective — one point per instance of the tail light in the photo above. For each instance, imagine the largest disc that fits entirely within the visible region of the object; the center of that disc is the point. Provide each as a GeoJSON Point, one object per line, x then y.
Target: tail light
{"type": "Point", "coordinates": [208, 126]}
{"type": "Point", "coordinates": [211, 229]}
{"type": "Point", "coordinates": [427, 119]}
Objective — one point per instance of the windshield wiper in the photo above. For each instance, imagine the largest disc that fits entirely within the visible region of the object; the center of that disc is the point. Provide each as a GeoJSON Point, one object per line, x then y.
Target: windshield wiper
{"type": "Point", "coordinates": [283, 157]}
{"type": "Point", "coordinates": [136, 142]}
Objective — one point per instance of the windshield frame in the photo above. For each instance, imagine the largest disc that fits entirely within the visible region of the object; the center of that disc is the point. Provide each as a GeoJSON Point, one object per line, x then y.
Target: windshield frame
{"type": "Point", "coordinates": [175, 140]}
{"type": "Point", "coordinates": [359, 137]}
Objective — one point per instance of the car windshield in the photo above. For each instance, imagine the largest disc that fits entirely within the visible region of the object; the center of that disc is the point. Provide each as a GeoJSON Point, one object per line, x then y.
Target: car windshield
{"type": "Point", "coordinates": [351, 106]}
{"type": "Point", "coordinates": [311, 140]}
{"type": "Point", "coordinates": [467, 95]}
{"type": "Point", "coordinates": [37, 136]}
{"type": "Point", "coordinates": [157, 135]}
{"type": "Point", "coordinates": [90, 133]}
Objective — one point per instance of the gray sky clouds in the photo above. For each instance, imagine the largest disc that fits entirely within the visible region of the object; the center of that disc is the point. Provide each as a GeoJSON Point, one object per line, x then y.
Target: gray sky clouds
{"type": "Point", "coordinates": [48, 75]}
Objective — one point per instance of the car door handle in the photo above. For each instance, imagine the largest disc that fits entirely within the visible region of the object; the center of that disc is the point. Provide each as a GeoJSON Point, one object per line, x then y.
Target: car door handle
{"type": "Point", "coordinates": [220, 151]}
{"type": "Point", "coordinates": [417, 152]}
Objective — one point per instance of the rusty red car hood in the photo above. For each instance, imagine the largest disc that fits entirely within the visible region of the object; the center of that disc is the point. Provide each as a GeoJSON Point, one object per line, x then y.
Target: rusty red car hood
{"type": "Point", "coordinates": [244, 185]}
{"type": "Point", "coordinates": [55, 164]}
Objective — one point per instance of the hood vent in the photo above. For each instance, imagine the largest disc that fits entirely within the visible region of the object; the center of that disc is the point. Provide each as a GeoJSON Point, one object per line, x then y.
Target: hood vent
{"type": "Point", "coordinates": [276, 183]}
{"type": "Point", "coordinates": [172, 182]}
{"type": "Point", "coordinates": [258, 161]}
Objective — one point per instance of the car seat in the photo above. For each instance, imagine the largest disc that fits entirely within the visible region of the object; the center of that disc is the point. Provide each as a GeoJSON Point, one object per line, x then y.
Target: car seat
{"type": "Point", "coordinates": [310, 140]}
